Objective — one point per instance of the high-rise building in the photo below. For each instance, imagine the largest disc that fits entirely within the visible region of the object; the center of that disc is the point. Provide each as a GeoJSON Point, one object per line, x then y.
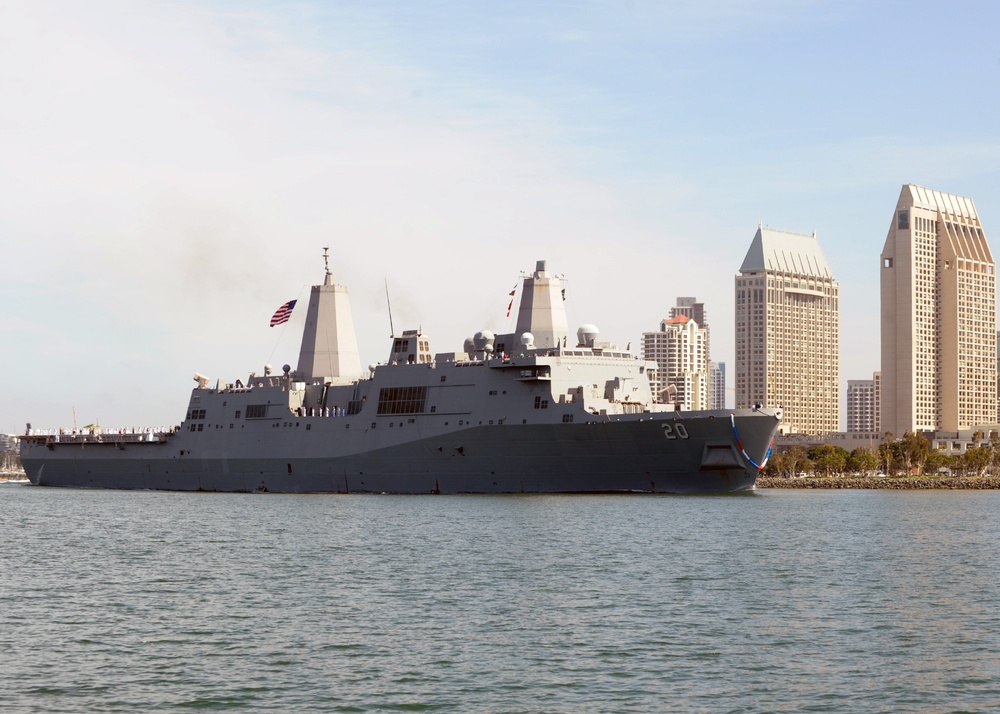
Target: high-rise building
{"type": "Point", "coordinates": [788, 332]}
{"type": "Point", "coordinates": [678, 349]}
{"type": "Point", "coordinates": [690, 307]}
{"type": "Point", "coordinates": [939, 346]}
{"type": "Point", "coordinates": [716, 385]}
{"type": "Point", "coordinates": [861, 405]}
{"type": "Point", "coordinates": [877, 383]}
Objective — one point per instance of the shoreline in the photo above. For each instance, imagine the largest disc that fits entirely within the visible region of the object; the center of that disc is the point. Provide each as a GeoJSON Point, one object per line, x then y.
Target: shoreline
{"type": "Point", "coordinates": [949, 483]}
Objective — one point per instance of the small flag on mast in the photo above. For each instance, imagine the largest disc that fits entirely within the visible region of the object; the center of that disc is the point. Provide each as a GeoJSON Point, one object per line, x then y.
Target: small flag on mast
{"type": "Point", "coordinates": [283, 313]}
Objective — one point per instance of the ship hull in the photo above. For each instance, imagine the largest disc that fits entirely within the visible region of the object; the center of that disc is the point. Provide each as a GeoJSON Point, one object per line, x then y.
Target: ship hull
{"type": "Point", "coordinates": [637, 455]}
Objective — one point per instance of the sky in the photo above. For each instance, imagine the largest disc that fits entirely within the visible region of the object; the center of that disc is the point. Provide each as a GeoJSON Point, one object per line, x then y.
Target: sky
{"type": "Point", "coordinates": [171, 171]}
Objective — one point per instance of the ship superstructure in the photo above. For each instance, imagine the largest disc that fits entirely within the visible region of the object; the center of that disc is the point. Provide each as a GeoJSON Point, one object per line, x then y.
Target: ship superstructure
{"type": "Point", "coordinates": [535, 410]}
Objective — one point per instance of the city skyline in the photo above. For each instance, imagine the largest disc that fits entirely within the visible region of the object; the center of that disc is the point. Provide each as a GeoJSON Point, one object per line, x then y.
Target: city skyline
{"type": "Point", "coordinates": [173, 170]}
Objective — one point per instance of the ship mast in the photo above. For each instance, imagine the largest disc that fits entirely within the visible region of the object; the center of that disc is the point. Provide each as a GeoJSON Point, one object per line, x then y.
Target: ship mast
{"type": "Point", "coordinates": [329, 350]}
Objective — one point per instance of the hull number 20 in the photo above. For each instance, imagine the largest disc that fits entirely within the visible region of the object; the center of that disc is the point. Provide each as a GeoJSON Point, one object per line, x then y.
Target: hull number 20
{"type": "Point", "coordinates": [675, 431]}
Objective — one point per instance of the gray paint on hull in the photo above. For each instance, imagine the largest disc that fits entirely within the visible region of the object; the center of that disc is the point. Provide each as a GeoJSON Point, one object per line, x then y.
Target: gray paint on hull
{"type": "Point", "coordinates": [597, 457]}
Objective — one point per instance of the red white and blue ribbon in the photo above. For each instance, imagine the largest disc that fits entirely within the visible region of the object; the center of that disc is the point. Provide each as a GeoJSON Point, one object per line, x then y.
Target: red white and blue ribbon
{"type": "Point", "coordinates": [739, 443]}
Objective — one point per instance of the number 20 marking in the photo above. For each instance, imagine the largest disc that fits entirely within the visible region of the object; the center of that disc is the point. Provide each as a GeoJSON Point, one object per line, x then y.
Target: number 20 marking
{"type": "Point", "coordinates": [675, 431]}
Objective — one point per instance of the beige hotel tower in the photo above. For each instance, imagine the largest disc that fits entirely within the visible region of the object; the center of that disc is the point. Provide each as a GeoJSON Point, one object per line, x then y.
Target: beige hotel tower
{"type": "Point", "coordinates": [788, 332]}
{"type": "Point", "coordinates": [939, 338]}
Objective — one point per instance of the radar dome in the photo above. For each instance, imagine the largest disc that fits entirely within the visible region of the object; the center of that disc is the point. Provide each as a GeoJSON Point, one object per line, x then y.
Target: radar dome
{"type": "Point", "coordinates": [587, 335]}
{"type": "Point", "coordinates": [527, 340]}
{"type": "Point", "coordinates": [483, 338]}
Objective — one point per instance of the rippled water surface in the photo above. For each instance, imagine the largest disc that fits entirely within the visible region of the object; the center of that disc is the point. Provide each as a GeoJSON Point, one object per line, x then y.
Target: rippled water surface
{"type": "Point", "coordinates": [777, 601]}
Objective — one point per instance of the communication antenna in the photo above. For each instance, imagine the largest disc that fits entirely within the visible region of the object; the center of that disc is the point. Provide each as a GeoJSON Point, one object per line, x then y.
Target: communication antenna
{"type": "Point", "coordinates": [389, 305]}
{"type": "Point", "coordinates": [326, 258]}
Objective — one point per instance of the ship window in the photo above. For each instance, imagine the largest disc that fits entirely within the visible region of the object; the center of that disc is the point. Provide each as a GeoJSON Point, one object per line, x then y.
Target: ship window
{"type": "Point", "coordinates": [443, 378]}
{"type": "Point", "coordinates": [904, 220]}
{"type": "Point", "coordinates": [567, 418]}
{"type": "Point", "coordinates": [374, 425]}
{"type": "Point", "coordinates": [402, 400]}
{"type": "Point", "coordinates": [433, 409]}
{"type": "Point", "coordinates": [256, 411]}
{"type": "Point", "coordinates": [237, 413]}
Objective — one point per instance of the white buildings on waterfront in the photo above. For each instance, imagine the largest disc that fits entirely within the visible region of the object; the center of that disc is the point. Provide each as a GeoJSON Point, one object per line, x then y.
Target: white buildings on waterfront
{"type": "Point", "coordinates": [680, 350]}
{"type": "Point", "coordinates": [939, 344]}
{"type": "Point", "coordinates": [788, 331]}
{"type": "Point", "coordinates": [938, 296]}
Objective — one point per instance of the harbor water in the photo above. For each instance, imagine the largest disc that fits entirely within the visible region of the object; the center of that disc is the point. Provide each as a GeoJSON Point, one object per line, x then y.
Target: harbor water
{"type": "Point", "coordinates": [773, 601]}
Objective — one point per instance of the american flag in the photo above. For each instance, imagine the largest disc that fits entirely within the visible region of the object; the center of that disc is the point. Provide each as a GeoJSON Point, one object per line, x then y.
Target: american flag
{"type": "Point", "coordinates": [283, 313]}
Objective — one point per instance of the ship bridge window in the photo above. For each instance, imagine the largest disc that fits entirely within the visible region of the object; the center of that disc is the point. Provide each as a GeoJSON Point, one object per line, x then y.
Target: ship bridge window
{"type": "Point", "coordinates": [256, 411]}
{"type": "Point", "coordinates": [402, 400]}
{"type": "Point", "coordinates": [196, 414]}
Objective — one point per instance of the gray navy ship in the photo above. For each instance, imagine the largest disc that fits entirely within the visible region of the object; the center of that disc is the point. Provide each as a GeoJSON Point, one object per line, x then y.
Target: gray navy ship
{"type": "Point", "coordinates": [533, 411]}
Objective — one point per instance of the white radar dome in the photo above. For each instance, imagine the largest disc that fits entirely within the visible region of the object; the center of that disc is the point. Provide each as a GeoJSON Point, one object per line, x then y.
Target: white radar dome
{"type": "Point", "coordinates": [587, 335]}
{"type": "Point", "coordinates": [483, 338]}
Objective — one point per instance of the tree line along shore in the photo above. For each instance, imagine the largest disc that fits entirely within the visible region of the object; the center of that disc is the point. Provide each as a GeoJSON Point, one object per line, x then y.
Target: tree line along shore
{"type": "Point", "coordinates": [910, 455]}
{"type": "Point", "coordinates": [904, 483]}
